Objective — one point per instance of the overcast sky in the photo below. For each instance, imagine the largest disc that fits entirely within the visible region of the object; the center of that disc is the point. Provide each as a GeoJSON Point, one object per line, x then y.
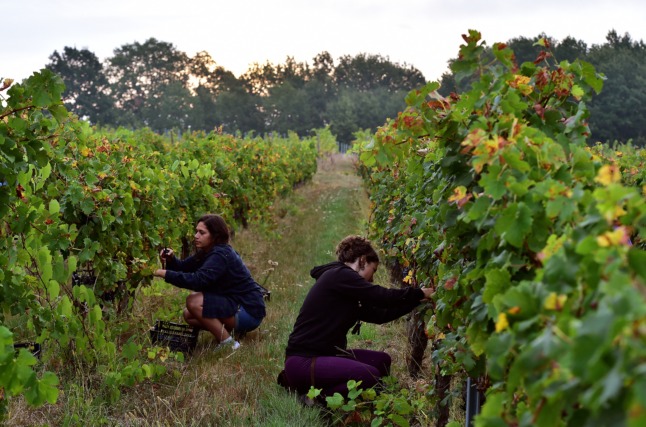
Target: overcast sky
{"type": "Point", "coordinates": [238, 33]}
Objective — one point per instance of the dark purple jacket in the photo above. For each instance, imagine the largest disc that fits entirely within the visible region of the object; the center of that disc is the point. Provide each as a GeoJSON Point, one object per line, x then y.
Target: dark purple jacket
{"type": "Point", "coordinates": [339, 298]}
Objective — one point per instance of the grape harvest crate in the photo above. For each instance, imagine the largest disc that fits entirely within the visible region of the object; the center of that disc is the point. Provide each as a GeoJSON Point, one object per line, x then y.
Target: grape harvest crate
{"type": "Point", "coordinates": [175, 336]}
{"type": "Point", "coordinates": [266, 293]}
{"type": "Point", "coordinates": [32, 347]}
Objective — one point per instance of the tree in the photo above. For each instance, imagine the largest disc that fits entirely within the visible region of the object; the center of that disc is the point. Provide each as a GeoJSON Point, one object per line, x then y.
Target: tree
{"type": "Point", "coordinates": [288, 108]}
{"type": "Point", "coordinates": [140, 73]}
{"type": "Point", "coordinates": [170, 107]}
{"type": "Point", "coordinates": [208, 81]}
{"type": "Point", "coordinates": [343, 116]}
{"type": "Point", "coordinates": [237, 110]}
{"type": "Point", "coordinates": [570, 49]}
{"type": "Point", "coordinates": [365, 72]}
{"type": "Point", "coordinates": [618, 113]}
{"type": "Point", "coordinates": [260, 78]}
{"type": "Point", "coordinates": [87, 92]}
{"type": "Point", "coordinates": [323, 67]}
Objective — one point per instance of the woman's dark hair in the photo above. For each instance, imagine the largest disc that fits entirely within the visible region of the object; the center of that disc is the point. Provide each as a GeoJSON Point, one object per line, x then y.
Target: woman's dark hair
{"type": "Point", "coordinates": [353, 247]}
{"type": "Point", "coordinates": [217, 227]}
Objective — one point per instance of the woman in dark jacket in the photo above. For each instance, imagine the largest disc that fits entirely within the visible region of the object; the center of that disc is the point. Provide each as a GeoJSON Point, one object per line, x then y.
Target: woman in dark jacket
{"type": "Point", "coordinates": [225, 297]}
{"type": "Point", "coordinates": [343, 295]}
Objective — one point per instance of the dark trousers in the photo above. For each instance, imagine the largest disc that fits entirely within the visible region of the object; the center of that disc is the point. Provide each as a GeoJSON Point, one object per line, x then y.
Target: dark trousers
{"type": "Point", "coordinates": [332, 373]}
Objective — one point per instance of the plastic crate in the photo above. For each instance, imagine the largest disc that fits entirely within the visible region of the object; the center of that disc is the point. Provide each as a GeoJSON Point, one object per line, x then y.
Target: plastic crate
{"type": "Point", "coordinates": [176, 336]}
{"type": "Point", "coordinates": [84, 276]}
{"type": "Point", "coordinates": [32, 347]}
{"type": "Point", "coordinates": [266, 293]}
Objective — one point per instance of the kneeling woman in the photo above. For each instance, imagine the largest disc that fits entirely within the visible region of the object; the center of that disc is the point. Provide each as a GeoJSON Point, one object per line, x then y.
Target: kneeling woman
{"type": "Point", "coordinates": [225, 297]}
{"type": "Point", "coordinates": [316, 353]}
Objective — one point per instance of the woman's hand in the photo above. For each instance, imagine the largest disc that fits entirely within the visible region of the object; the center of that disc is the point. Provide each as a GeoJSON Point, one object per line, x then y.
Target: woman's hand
{"type": "Point", "coordinates": [159, 273]}
{"type": "Point", "coordinates": [428, 293]}
{"type": "Point", "coordinates": [166, 254]}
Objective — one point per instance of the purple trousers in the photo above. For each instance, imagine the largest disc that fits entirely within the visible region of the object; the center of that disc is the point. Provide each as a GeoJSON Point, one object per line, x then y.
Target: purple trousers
{"type": "Point", "coordinates": [332, 373]}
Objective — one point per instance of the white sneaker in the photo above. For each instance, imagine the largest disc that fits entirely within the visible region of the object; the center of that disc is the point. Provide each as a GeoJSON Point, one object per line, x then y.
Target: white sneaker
{"type": "Point", "coordinates": [228, 343]}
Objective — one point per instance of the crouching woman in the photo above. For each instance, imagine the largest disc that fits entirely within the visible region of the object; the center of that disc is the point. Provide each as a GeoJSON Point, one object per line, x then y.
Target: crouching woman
{"type": "Point", "coordinates": [225, 298]}
{"type": "Point", "coordinates": [343, 295]}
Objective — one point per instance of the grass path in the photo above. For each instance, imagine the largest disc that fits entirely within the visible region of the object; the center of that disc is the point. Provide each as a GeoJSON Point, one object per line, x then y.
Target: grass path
{"type": "Point", "coordinates": [240, 388]}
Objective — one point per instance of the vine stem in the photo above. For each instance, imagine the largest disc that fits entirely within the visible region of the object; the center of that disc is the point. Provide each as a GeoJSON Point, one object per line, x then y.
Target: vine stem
{"type": "Point", "coordinates": [9, 113]}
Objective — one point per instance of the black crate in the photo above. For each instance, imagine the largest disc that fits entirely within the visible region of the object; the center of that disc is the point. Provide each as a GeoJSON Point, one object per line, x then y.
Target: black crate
{"type": "Point", "coordinates": [33, 347]}
{"type": "Point", "coordinates": [84, 276]}
{"type": "Point", "coordinates": [176, 336]}
{"type": "Point", "coordinates": [266, 293]}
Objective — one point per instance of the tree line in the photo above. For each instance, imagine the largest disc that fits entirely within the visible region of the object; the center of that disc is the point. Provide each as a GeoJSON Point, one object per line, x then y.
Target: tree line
{"type": "Point", "coordinates": [156, 85]}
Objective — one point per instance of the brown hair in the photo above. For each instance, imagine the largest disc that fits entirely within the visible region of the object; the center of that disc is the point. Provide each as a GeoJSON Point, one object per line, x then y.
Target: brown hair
{"type": "Point", "coordinates": [217, 227]}
{"type": "Point", "coordinates": [353, 247]}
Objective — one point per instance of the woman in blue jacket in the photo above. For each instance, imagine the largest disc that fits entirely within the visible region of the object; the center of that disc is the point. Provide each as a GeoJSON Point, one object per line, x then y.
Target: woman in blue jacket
{"type": "Point", "coordinates": [225, 297]}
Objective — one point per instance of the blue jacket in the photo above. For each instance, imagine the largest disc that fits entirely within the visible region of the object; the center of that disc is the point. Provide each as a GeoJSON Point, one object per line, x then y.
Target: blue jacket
{"type": "Point", "coordinates": [219, 271]}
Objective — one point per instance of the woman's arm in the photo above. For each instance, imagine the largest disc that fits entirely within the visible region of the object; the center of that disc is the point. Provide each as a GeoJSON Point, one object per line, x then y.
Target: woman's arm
{"type": "Point", "coordinates": [207, 277]}
{"type": "Point", "coordinates": [379, 315]}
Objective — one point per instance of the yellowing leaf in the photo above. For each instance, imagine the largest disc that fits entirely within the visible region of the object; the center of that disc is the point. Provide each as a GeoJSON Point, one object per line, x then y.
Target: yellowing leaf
{"type": "Point", "coordinates": [553, 245]}
{"type": "Point", "coordinates": [502, 323]}
{"type": "Point", "coordinates": [554, 302]}
{"type": "Point", "coordinates": [577, 92]}
{"type": "Point", "coordinates": [618, 236]}
{"type": "Point", "coordinates": [608, 174]}
{"type": "Point", "coordinates": [409, 277]}
{"type": "Point", "coordinates": [521, 83]}
{"type": "Point", "coordinates": [460, 196]}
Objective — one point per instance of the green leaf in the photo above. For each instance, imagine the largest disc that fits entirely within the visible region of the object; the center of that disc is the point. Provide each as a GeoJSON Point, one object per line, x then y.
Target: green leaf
{"type": "Point", "coordinates": [399, 420]}
{"type": "Point", "coordinates": [5, 337]}
{"type": "Point", "coordinates": [637, 261]}
{"type": "Point", "coordinates": [521, 296]}
{"type": "Point", "coordinates": [53, 289]}
{"type": "Point", "coordinates": [497, 282]}
{"type": "Point", "coordinates": [95, 315]}
{"type": "Point", "coordinates": [45, 264]}
{"type": "Point", "coordinates": [493, 185]}
{"type": "Point", "coordinates": [54, 207]}
{"type": "Point", "coordinates": [335, 401]}
{"type": "Point", "coordinates": [479, 208]}
{"type": "Point", "coordinates": [45, 390]}
{"type": "Point", "coordinates": [87, 206]}
{"type": "Point", "coordinates": [130, 350]}
{"type": "Point", "coordinates": [514, 224]}
{"type": "Point", "coordinates": [492, 408]}
{"type": "Point", "coordinates": [367, 158]}
{"type": "Point", "coordinates": [376, 422]}
{"type": "Point", "coordinates": [147, 370]}
{"type": "Point", "coordinates": [587, 245]}
{"type": "Point", "coordinates": [65, 307]}
{"type": "Point", "coordinates": [59, 112]}
{"type": "Point", "coordinates": [612, 384]}
{"type": "Point", "coordinates": [513, 159]}
{"type": "Point", "coordinates": [401, 406]}
{"type": "Point", "coordinates": [477, 338]}
{"type": "Point", "coordinates": [43, 174]}
{"type": "Point", "coordinates": [590, 76]}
